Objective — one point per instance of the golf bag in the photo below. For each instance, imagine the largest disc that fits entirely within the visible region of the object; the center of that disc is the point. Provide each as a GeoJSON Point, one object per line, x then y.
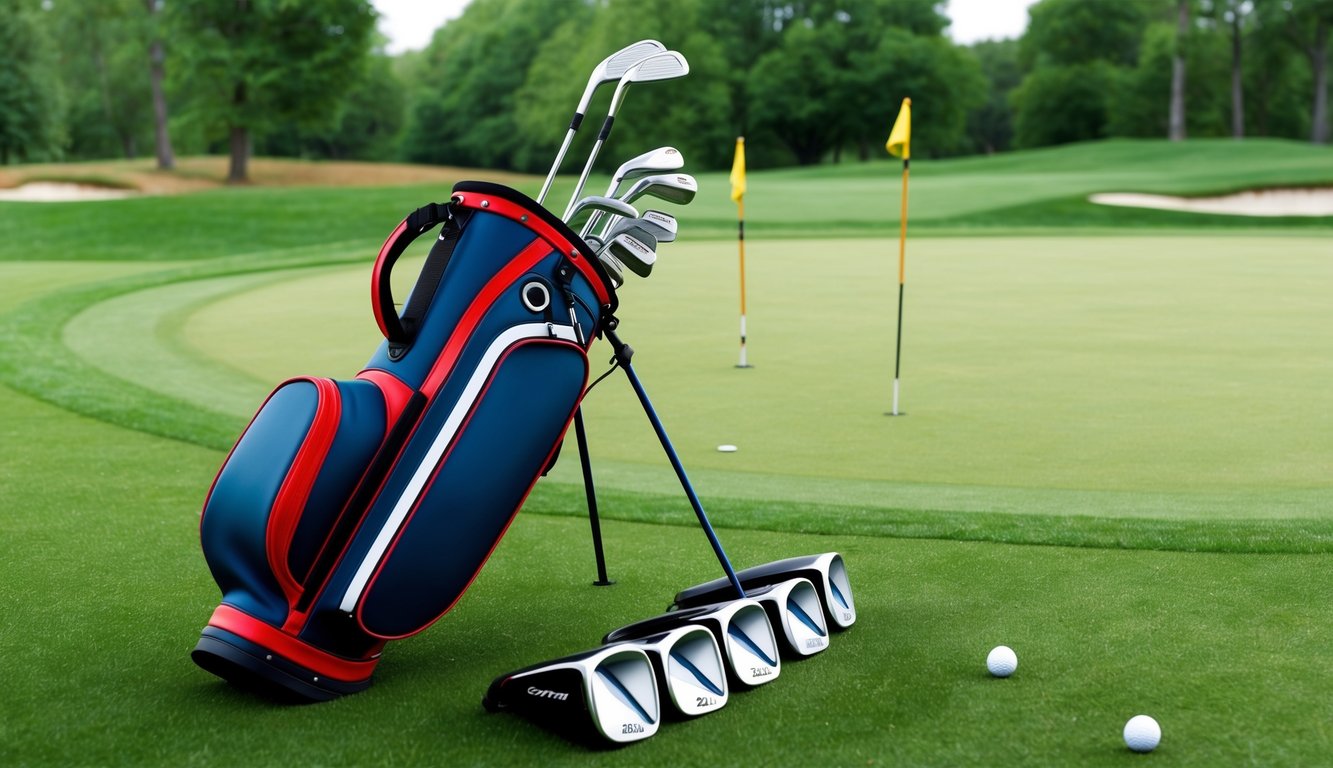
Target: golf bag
{"type": "Point", "coordinates": [354, 512]}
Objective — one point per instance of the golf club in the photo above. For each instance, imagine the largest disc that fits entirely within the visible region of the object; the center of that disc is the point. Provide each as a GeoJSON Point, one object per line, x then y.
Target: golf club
{"type": "Point", "coordinates": [634, 248]}
{"type": "Point", "coordinates": [665, 223]}
{"type": "Point", "coordinates": [794, 609]}
{"type": "Point", "coordinates": [594, 203]}
{"type": "Point", "coordinates": [614, 268]}
{"type": "Point", "coordinates": [660, 234]}
{"type": "Point", "coordinates": [667, 65]}
{"type": "Point", "coordinates": [741, 628]}
{"type": "Point", "coordinates": [611, 69]}
{"type": "Point", "coordinates": [689, 669]}
{"type": "Point", "coordinates": [608, 693]}
{"type": "Point", "coordinates": [827, 572]}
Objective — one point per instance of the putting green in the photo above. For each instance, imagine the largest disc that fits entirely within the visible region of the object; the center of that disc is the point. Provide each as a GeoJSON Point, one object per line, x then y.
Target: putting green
{"type": "Point", "coordinates": [1167, 377]}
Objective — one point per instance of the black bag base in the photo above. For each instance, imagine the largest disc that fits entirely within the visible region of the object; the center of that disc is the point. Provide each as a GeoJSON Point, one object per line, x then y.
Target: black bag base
{"type": "Point", "coordinates": [266, 674]}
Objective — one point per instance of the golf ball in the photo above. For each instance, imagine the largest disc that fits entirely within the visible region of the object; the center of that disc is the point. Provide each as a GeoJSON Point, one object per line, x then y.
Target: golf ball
{"type": "Point", "coordinates": [1142, 733]}
{"type": "Point", "coordinates": [1002, 661]}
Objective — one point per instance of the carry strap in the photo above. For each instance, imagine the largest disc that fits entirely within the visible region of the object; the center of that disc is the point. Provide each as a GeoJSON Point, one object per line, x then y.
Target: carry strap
{"type": "Point", "coordinates": [401, 330]}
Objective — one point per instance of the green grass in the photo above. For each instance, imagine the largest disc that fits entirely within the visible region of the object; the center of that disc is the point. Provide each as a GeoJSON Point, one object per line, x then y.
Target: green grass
{"type": "Point", "coordinates": [1115, 461]}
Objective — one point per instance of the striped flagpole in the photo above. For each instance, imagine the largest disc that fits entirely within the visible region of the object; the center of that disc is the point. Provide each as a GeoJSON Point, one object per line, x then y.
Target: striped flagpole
{"type": "Point", "coordinates": [740, 240]}
{"type": "Point", "coordinates": [902, 282]}
{"type": "Point", "coordinates": [900, 145]}
{"type": "Point", "coordinates": [738, 195]}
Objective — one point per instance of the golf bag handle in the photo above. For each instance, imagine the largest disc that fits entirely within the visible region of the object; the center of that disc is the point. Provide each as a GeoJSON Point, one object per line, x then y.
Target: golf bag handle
{"type": "Point", "coordinates": [400, 330]}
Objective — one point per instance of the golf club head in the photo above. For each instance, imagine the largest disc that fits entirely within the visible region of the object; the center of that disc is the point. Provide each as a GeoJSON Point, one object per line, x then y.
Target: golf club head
{"type": "Point", "coordinates": [797, 615]}
{"type": "Point", "coordinates": [598, 203]}
{"type": "Point", "coordinates": [651, 162]}
{"type": "Point", "coordinates": [614, 268]}
{"type": "Point", "coordinates": [635, 249]}
{"type": "Point", "coordinates": [826, 571]}
{"type": "Point", "coordinates": [679, 188]}
{"type": "Point", "coordinates": [664, 224]}
{"type": "Point", "coordinates": [667, 65]}
{"type": "Point", "coordinates": [614, 67]}
{"type": "Point", "coordinates": [690, 672]}
{"type": "Point", "coordinates": [650, 227]}
{"type": "Point", "coordinates": [606, 694]}
{"type": "Point", "coordinates": [740, 627]}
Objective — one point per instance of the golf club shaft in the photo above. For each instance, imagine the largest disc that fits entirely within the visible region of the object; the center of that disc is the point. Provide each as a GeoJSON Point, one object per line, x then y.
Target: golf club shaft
{"type": "Point", "coordinates": [559, 157]}
{"type": "Point", "coordinates": [587, 167]}
{"type": "Point", "coordinates": [623, 354]}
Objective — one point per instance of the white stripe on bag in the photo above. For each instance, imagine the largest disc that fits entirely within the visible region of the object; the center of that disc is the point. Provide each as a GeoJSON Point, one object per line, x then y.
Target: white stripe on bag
{"type": "Point", "coordinates": [462, 408]}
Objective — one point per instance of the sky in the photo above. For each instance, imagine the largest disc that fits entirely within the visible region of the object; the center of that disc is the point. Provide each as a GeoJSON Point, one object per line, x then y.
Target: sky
{"type": "Point", "coordinates": [409, 24]}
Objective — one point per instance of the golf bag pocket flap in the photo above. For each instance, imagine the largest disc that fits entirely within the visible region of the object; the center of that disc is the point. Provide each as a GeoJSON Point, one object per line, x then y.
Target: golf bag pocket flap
{"type": "Point", "coordinates": [456, 497]}
{"type": "Point", "coordinates": [285, 482]}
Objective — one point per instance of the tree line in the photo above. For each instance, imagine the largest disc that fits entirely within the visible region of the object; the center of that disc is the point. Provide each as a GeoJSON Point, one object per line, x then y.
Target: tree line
{"type": "Point", "coordinates": [806, 82]}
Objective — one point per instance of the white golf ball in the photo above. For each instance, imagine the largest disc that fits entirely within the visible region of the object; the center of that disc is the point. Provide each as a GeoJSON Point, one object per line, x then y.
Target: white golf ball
{"type": "Point", "coordinates": [1002, 661]}
{"type": "Point", "coordinates": [1142, 733]}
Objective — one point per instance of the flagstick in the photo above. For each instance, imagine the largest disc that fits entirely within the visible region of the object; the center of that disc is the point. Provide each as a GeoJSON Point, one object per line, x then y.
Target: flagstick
{"type": "Point", "coordinates": [740, 223]}
{"type": "Point", "coordinates": [902, 280]}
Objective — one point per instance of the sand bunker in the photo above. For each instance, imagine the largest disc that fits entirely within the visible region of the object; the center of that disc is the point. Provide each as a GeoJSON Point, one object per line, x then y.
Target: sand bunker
{"type": "Point", "coordinates": [61, 192]}
{"type": "Point", "coordinates": [1263, 202]}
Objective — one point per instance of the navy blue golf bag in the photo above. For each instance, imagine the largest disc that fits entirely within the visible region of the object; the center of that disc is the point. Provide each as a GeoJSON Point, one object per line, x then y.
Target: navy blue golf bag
{"type": "Point", "coordinates": [354, 512]}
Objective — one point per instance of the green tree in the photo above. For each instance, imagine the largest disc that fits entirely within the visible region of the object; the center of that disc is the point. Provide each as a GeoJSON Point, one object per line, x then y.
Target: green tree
{"type": "Point", "coordinates": [789, 88]}
{"type": "Point", "coordinates": [251, 66]}
{"type": "Point", "coordinates": [1277, 80]}
{"type": "Point", "coordinates": [1077, 55]}
{"type": "Point", "coordinates": [842, 68]}
{"type": "Point", "coordinates": [1060, 105]}
{"type": "Point", "coordinates": [990, 126]}
{"type": "Point", "coordinates": [944, 82]}
{"type": "Point", "coordinates": [1064, 32]}
{"type": "Point", "coordinates": [28, 87]}
{"type": "Point", "coordinates": [464, 111]}
{"type": "Point", "coordinates": [367, 126]}
{"type": "Point", "coordinates": [1308, 26]}
{"type": "Point", "coordinates": [103, 64]}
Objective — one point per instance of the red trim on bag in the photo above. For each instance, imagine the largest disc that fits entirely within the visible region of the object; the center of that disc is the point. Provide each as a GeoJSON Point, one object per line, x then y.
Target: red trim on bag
{"type": "Point", "coordinates": [375, 276]}
{"type": "Point", "coordinates": [396, 393]}
{"type": "Point", "coordinates": [290, 501]}
{"type": "Point", "coordinates": [512, 210]}
{"type": "Point", "coordinates": [425, 491]}
{"type": "Point", "coordinates": [293, 649]}
{"type": "Point", "coordinates": [467, 324]}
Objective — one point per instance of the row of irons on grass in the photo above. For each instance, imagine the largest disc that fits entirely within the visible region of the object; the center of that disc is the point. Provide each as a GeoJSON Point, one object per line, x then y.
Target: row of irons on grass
{"type": "Point", "coordinates": [685, 662]}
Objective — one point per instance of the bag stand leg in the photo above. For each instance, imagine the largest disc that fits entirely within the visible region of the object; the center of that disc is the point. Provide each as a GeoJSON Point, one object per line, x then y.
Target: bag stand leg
{"type": "Point", "coordinates": [623, 352]}
{"type": "Point", "coordinates": [590, 491]}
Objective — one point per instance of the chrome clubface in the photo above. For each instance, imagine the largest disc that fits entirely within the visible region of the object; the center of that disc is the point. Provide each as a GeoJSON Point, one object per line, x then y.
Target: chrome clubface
{"type": "Point", "coordinates": [797, 615]}
{"type": "Point", "coordinates": [691, 674]}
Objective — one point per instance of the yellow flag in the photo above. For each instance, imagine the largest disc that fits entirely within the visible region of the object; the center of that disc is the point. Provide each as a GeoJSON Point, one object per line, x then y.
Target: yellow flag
{"type": "Point", "coordinates": [738, 171]}
{"type": "Point", "coordinates": [900, 138]}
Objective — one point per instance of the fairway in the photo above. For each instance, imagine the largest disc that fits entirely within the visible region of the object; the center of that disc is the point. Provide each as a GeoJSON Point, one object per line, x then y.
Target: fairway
{"type": "Point", "coordinates": [1115, 460]}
